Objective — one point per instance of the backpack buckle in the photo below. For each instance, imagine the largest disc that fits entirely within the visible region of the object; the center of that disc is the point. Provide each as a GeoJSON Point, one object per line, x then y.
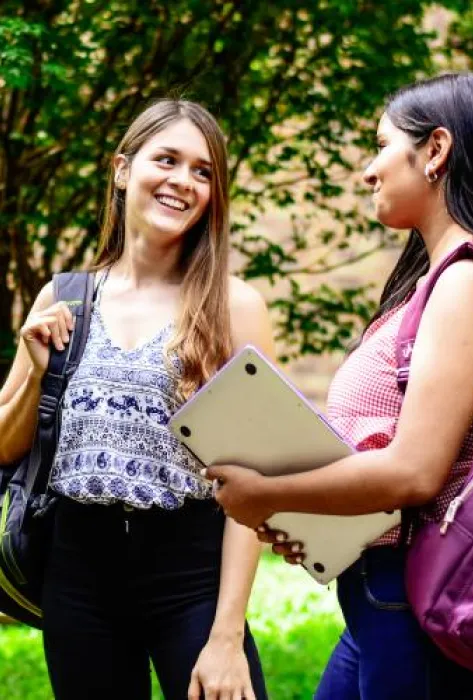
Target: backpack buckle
{"type": "Point", "coordinates": [47, 408]}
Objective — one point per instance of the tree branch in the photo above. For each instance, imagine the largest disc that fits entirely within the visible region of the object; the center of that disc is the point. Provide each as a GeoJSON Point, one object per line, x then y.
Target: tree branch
{"type": "Point", "coordinates": [308, 270]}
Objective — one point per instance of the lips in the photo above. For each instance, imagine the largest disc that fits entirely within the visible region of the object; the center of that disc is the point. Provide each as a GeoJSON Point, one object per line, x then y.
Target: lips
{"type": "Point", "coordinates": [175, 203]}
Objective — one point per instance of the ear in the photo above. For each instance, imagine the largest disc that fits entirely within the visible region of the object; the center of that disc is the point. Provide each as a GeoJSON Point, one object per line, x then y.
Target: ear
{"type": "Point", "coordinates": [438, 150]}
{"type": "Point", "coordinates": [122, 170]}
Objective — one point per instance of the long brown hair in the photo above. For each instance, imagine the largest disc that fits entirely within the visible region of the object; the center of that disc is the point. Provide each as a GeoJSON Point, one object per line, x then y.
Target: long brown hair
{"type": "Point", "coordinates": [202, 341]}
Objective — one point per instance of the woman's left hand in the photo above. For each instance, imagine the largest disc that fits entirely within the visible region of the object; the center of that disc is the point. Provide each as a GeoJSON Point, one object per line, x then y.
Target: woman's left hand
{"type": "Point", "coordinates": [240, 492]}
{"type": "Point", "coordinates": [291, 550]}
{"type": "Point", "coordinates": [221, 672]}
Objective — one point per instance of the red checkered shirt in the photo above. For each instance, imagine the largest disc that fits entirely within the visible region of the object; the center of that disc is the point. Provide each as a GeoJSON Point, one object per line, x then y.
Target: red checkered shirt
{"type": "Point", "coordinates": [364, 403]}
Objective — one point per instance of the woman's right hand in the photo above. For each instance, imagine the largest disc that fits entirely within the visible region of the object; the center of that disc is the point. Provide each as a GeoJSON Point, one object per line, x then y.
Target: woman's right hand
{"type": "Point", "coordinates": [293, 552]}
{"type": "Point", "coordinates": [53, 325]}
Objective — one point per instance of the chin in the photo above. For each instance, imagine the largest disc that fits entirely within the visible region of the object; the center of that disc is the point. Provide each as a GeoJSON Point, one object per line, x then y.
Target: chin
{"type": "Point", "coordinates": [172, 229]}
{"type": "Point", "coordinates": [391, 220]}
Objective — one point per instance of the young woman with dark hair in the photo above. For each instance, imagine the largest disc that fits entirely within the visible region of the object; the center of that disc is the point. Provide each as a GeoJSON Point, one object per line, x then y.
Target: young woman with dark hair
{"type": "Point", "coordinates": [143, 564]}
{"type": "Point", "coordinates": [414, 451]}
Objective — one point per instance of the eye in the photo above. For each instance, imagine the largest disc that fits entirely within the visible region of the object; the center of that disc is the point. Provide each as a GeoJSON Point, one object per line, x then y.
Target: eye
{"type": "Point", "coordinates": [204, 173]}
{"type": "Point", "coordinates": [165, 160]}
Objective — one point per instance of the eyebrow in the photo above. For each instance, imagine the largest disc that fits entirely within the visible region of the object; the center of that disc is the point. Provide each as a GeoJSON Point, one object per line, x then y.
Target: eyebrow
{"type": "Point", "coordinates": [177, 152]}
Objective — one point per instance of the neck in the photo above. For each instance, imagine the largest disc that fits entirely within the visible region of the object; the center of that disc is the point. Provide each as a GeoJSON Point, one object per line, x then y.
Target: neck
{"type": "Point", "coordinates": [145, 263]}
{"type": "Point", "coordinates": [441, 235]}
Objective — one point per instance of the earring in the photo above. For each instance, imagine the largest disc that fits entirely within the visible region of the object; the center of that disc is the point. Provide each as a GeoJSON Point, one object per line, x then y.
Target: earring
{"type": "Point", "coordinates": [430, 174]}
{"type": "Point", "coordinates": [120, 183]}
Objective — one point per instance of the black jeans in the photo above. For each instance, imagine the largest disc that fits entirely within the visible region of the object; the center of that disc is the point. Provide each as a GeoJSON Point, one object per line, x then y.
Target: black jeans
{"type": "Point", "coordinates": [123, 587]}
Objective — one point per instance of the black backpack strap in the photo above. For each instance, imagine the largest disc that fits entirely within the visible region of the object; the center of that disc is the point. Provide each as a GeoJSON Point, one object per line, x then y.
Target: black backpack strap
{"type": "Point", "coordinates": [76, 289]}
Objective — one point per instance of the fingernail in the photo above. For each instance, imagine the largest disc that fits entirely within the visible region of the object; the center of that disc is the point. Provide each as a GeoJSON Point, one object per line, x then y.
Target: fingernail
{"type": "Point", "coordinates": [296, 547]}
{"type": "Point", "coordinates": [260, 528]}
{"type": "Point", "coordinates": [298, 560]}
{"type": "Point", "coordinates": [280, 537]}
{"type": "Point", "coordinates": [203, 472]}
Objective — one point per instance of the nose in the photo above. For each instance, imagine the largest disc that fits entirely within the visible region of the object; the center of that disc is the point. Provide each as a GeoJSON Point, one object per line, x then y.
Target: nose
{"type": "Point", "coordinates": [369, 176]}
{"type": "Point", "coordinates": [181, 178]}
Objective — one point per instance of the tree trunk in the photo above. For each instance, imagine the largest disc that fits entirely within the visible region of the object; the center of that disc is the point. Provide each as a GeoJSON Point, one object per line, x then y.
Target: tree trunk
{"type": "Point", "coordinates": [6, 332]}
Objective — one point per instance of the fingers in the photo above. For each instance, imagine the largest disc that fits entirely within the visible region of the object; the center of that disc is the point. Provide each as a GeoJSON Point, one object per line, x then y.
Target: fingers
{"type": "Point", "coordinates": [270, 536]}
{"type": "Point", "coordinates": [295, 559]}
{"type": "Point", "coordinates": [54, 326]}
{"type": "Point", "coordinates": [292, 551]}
{"type": "Point", "coordinates": [213, 473]}
{"type": "Point", "coordinates": [193, 692]}
{"type": "Point", "coordinates": [216, 485]}
{"type": "Point", "coordinates": [51, 325]}
{"type": "Point", "coordinates": [248, 693]}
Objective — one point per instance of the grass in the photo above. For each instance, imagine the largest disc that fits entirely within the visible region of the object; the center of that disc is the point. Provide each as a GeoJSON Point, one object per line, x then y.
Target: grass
{"type": "Point", "coordinates": [295, 622]}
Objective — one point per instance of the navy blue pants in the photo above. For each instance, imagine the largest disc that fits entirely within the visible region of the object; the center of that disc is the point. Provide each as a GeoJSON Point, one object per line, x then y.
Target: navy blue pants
{"type": "Point", "coordinates": [126, 587]}
{"type": "Point", "coordinates": [383, 653]}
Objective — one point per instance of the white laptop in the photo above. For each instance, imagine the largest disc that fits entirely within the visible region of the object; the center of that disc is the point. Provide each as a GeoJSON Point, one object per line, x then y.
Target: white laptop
{"type": "Point", "coordinates": [249, 413]}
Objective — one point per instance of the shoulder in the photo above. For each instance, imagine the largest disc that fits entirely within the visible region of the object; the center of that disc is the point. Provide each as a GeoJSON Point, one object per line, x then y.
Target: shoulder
{"type": "Point", "coordinates": [45, 298]}
{"type": "Point", "coordinates": [244, 297]}
{"type": "Point", "coordinates": [446, 321]}
{"type": "Point", "coordinates": [453, 291]}
{"type": "Point", "coordinates": [457, 274]}
{"type": "Point", "coordinates": [249, 317]}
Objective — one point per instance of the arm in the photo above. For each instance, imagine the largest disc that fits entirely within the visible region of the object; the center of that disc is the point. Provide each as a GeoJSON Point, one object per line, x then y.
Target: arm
{"type": "Point", "coordinates": [222, 663]}
{"type": "Point", "coordinates": [241, 549]}
{"type": "Point", "coordinates": [435, 417]}
{"type": "Point", "coordinates": [19, 397]}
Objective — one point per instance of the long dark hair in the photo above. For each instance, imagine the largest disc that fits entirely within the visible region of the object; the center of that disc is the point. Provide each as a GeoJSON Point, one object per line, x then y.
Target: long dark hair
{"type": "Point", "coordinates": [418, 109]}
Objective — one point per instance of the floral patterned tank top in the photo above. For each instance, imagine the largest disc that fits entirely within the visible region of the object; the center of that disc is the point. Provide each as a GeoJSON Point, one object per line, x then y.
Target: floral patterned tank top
{"type": "Point", "coordinates": [115, 444]}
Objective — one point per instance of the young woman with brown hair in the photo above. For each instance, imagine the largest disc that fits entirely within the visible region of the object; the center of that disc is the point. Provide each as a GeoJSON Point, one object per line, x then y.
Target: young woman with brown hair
{"type": "Point", "coordinates": [143, 564]}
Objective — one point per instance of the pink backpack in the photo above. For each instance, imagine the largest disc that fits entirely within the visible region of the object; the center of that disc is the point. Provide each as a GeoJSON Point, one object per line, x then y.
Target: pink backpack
{"type": "Point", "coordinates": [439, 568]}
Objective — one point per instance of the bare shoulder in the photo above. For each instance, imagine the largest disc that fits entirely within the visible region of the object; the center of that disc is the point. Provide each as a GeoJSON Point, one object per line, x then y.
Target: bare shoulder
{"type": "Point", "coordinates": [44, 299]}
{"type": "Point", "coordinates": [458, 274]}
{"type": "Point", "coordinates": [453, 292]}
{"type": "Point", "coordinates": [244, 297]}
{"type": "Point", "coordinates": [249, 317]}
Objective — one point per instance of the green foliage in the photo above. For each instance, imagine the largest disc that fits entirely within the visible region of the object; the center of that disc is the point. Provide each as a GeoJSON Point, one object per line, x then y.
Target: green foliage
{"type": "Point", "coordinates": [319, 321]}
{"type": "Point", "coordinates": [295, 622]}
{"type": "Point", "coordinates": [294, 83]}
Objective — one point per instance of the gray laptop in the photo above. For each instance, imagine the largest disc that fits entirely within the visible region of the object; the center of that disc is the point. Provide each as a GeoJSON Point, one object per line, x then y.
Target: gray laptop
{"type": "Point", "coordinates": [250, 413]}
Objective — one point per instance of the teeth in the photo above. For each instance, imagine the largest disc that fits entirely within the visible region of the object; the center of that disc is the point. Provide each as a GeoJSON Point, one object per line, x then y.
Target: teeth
{"type": "Point", "coordinates": [171, 202]}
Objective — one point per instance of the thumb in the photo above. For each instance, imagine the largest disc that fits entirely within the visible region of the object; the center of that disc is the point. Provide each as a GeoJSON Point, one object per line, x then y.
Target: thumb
{"type": "Point", "coordinates": [213, 472]}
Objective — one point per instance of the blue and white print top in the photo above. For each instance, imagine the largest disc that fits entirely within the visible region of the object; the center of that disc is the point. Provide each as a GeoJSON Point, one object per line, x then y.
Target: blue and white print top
{"type": "Point", "coordinates": [114, 443]}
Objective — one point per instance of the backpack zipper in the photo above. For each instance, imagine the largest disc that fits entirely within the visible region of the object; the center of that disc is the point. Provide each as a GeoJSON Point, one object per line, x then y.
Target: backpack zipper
{"type": "Point", "coordinates": [453, 507]}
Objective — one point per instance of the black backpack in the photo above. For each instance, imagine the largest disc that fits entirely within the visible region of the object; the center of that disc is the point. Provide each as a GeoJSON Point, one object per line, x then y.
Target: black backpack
{"type": "Point", "coordinates": [26, 503]}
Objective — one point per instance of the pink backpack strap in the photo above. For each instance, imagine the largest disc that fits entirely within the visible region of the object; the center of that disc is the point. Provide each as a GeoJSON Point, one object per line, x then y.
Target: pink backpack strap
{"type": "Point", "coordinates": [411, 320]}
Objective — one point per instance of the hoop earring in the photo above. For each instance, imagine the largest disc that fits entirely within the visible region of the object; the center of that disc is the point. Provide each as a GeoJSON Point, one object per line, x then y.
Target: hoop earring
{"type": "Point", "coordinates": [430, 174]}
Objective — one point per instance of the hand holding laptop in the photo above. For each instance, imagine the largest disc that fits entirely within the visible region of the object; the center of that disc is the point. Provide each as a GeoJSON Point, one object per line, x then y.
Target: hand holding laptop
{"type": "Point", "coordinates": [250, 414]}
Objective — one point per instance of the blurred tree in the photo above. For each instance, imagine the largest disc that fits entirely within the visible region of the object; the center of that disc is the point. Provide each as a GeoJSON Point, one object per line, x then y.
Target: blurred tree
{"type": "Point", "coordinates": [294, 83]}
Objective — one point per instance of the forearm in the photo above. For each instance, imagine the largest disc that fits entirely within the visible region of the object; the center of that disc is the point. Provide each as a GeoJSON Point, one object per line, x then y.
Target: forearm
{"type": "Point", "coordinates": [18, 420]}
{"type": "Point", "coordinates": [240, 555]}
{"type": "Point", "coordinates": [366, 482]}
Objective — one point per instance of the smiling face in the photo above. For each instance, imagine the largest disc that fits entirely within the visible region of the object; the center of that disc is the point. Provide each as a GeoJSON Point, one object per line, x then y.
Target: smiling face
{"type": "Point", "coordinates": [400, 190]}
{"type": "Point", "coordinates": [168, 182]}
